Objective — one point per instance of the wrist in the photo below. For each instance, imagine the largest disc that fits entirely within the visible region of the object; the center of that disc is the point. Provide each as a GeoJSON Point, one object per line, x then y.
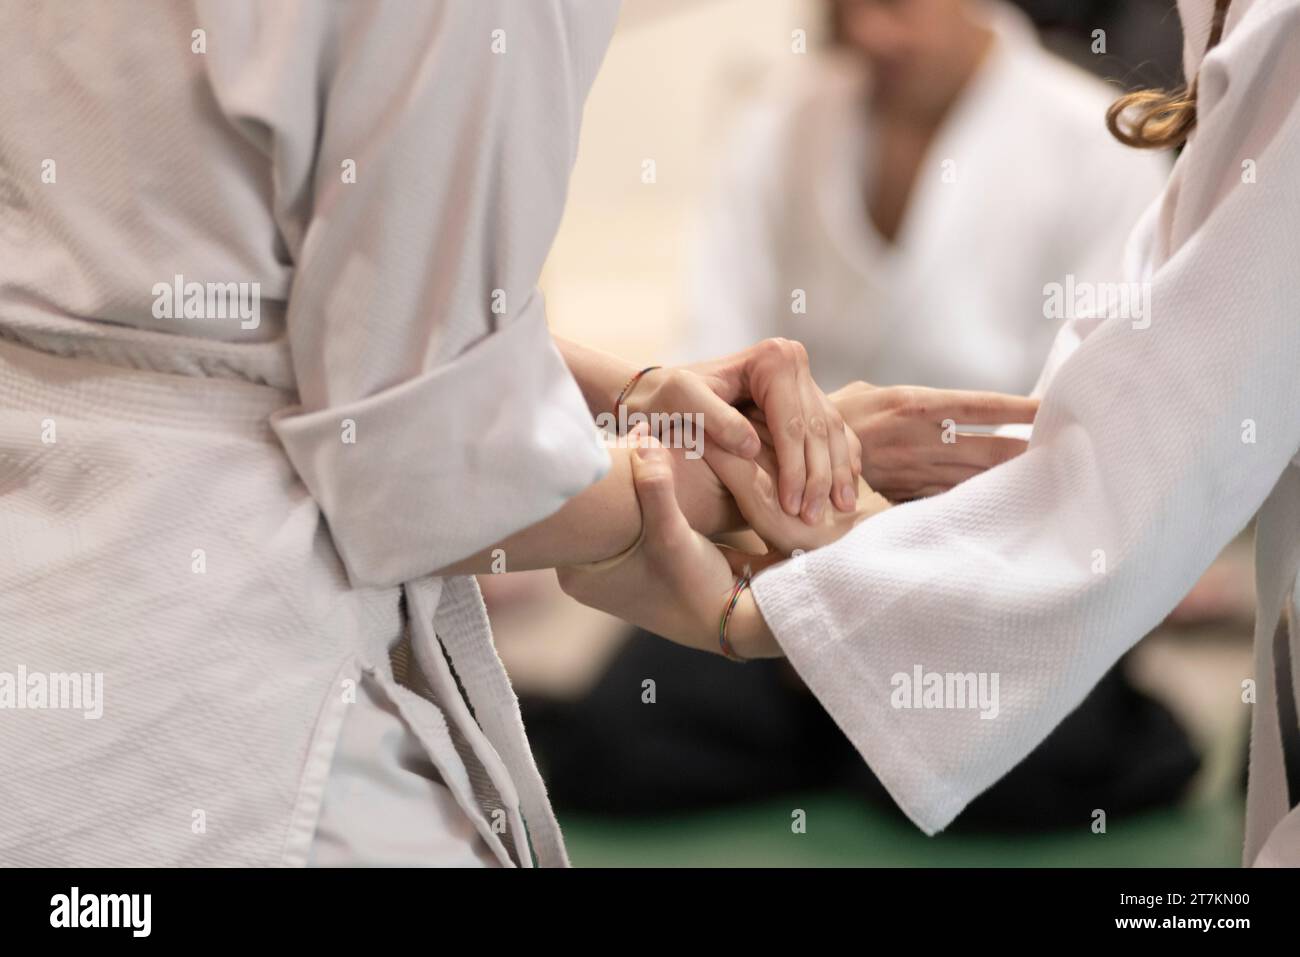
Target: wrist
{"type": "Point", "coordinates": [606, 388]}
{"type": "Point", "coordinates": [748, 632]}
{"type": "Point", "coordinates": [600, 376]}
{"type": "Point", "coordinates": [611, 525]}
{"type": "Point", "coordinates": [635, 383]}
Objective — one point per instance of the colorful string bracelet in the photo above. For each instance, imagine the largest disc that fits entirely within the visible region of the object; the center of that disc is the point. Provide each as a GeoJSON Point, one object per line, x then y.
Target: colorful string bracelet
{"type": "Point", "coordinates": [727, 650]}
{"type": "Point", "coordinates": [631, 384]}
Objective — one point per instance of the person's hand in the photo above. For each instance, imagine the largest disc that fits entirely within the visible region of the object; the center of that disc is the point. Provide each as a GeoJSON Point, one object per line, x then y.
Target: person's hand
{"type": "Point", "coordinates": [708, 506]}
{"type": "Point", "coordinates": [752, 483]}
{"type": "Point", "coordinates": [674, 582]}
{"type": "Point", "coordinates": [819, 459]}
{"type": "Point", "coordinates": [910, 446]}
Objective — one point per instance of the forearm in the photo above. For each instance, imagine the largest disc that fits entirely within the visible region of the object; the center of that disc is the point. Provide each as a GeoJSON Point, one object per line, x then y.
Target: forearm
{"type": "Point", "coordinates": [597, 523]}
{"type": "Point", "coordinates": [605, 519]}
{"type": "Point", "coordinates": [599, 375]}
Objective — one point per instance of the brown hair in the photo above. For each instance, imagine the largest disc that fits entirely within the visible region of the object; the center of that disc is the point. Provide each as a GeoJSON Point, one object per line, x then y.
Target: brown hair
{"type": "Point", "coordinates": [1159, 119]}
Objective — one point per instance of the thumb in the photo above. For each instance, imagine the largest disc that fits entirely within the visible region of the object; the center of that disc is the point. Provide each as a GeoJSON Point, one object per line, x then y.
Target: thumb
{"type": "Point", "coordinates": [662, 520]}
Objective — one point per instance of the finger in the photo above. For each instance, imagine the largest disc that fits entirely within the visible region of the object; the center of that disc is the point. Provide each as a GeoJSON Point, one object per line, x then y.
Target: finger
{"type": "Point", "coordinates": [764, 434]}
{"type": "Point", "coordinates": [986, 408]}
{"type": "Point", "coordinates": [817, 450]}
{"type": "Point", "coordinates": [662, 520]}
{"type": "Point", "coordinates": [981, 451]}
{"type": "Point", "coordinates": [755, 493]}
{"type": "Point", "coordinates": [723, 423]}
{"type": "Point", "coordinates": [844, 483]}
{"type": "Point", "coordinates": [925, 491]}
{"type": "Point", "coordinates": [754, 489]}
{"type": "Point", "coordinates": [783, 408]}
{"type": "Point", "coordinates": [855, 451]}
{"type": "Point", "coordinates": [932, 480]}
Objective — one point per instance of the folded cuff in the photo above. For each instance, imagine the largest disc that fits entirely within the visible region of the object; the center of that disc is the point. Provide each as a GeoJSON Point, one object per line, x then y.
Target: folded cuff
{"type": "Point", "coordinates": [430, 471]}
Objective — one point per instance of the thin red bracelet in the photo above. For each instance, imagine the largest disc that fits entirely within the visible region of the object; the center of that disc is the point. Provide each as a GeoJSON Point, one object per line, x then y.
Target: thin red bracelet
{"type": "Point", "coordinates": [727, 650]}
{"type": "Point", "coordinates": [631, 384]}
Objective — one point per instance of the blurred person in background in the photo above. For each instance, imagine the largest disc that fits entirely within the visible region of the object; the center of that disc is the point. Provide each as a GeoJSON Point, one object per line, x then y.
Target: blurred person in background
{"type": "Point", "coordinates": [900, 207]}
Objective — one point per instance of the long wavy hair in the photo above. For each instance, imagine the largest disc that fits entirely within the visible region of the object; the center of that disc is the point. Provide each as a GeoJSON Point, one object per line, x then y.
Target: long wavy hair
{"type": "Point", "coordinates": [1160, 119]}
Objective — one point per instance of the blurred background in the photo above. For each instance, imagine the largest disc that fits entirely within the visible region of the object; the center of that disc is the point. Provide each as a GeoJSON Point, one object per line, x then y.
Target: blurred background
{"type": "Point", "coordinates": [892, 182]}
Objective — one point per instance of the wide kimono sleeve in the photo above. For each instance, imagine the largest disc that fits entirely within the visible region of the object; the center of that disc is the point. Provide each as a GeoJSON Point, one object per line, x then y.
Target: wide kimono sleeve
{"type": "Point", "coordinates": [421, 155]}
{"type": "Point", "coordinates": [1155, 444]}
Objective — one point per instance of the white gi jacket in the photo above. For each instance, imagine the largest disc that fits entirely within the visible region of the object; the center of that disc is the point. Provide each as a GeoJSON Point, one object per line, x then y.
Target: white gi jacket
{"type": "Point", "coordinates": [1154, 446]}
{"type": "Point", "coordinates": [231, 519]}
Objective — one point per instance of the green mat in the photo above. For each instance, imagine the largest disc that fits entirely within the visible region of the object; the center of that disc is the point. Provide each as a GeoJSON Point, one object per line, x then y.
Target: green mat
{"type": "Point", "coordinates": [843, 832]}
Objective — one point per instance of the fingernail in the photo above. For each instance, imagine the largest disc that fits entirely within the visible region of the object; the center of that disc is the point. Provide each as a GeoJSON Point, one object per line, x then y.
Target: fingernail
{"type": "Point", "coordinates": [815, 511]}
{"type": "Point", "coordinates": [749, 448]}
{"type": "Point", "coordinates": [795, 501]}
{"type": "Point", "coordinates": [848, 495]}
{"type": "Point", "coordinates": [645, 451]}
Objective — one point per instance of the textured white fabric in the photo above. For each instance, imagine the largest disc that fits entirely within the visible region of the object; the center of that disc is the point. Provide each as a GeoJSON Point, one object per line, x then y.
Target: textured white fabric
{"type": "Point", "coordinates": [390, 176]}
{"type": "Point", "coordinates": [1016, 191]}
{"type": "Point", "coordinates": [384, 803]}
{"type": "Point", "coordinates": [1046, 569]}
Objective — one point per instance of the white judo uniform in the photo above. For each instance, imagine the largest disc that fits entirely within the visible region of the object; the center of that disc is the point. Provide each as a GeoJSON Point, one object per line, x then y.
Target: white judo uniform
{"type": "Point", "coordinates": [1021, 187]}
{"type": "Point", "coordinates": [1154, 446]}
{"type": "Point", "coordinates": [232, 520]}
